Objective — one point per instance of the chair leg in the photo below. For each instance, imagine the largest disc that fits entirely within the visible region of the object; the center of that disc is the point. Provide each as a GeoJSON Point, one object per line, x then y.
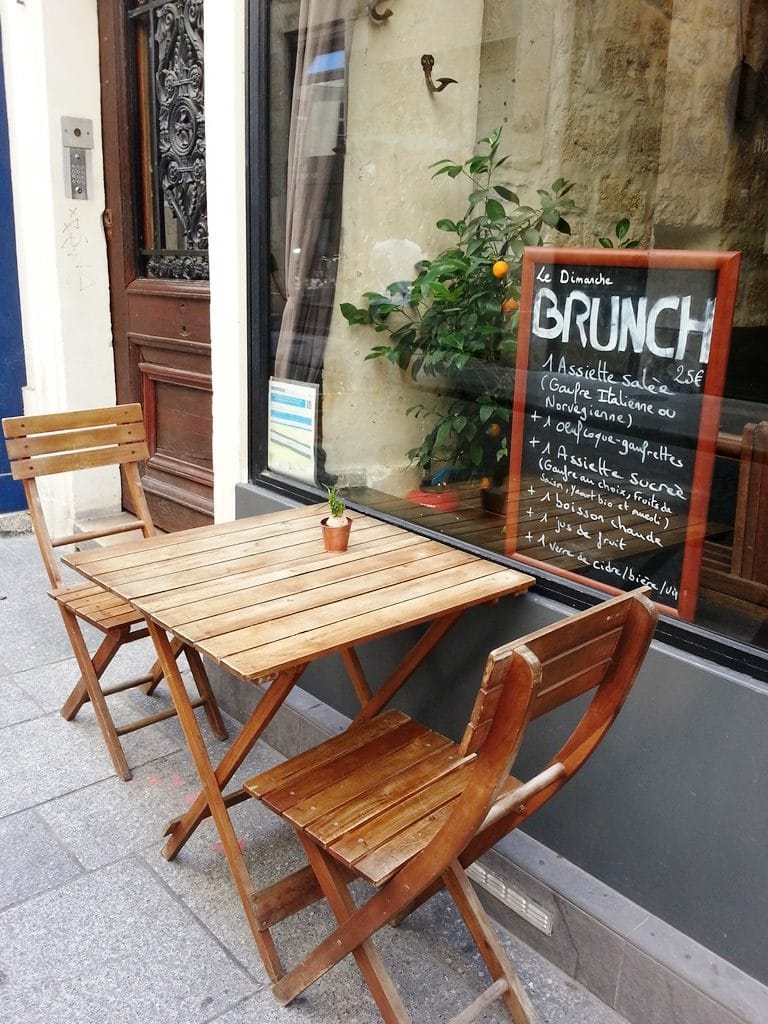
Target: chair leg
{"type": "Point", "coordinates": [364, 921]}
{"type": "Point", "coordinates": [204, 689]}
{"type": "Point", "coordinates": [480, 928]}
{"type": "Point", "coordinates": [333, 883]}
{"type": "Point", "coordinates": [93, 688]}
{"type": "Point", "coordinates": [100, 661]}
{"type": "Point", "coordinates": [156, 672]}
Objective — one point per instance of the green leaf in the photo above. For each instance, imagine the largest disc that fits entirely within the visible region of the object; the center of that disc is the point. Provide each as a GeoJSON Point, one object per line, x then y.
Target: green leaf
{"type": "Point", "coordinates": [506, 193]}
{"type": "Point", "coordinates": [399, 287]}
{"type": "Point", "coordinates": [443, 432]}
{"type": "Point", "coordinates": [447, 225]}
{"type": "Point", "coordinates": [633, 244]}
{"type": "Point", "coordinates": [606, 243]}
{"type": "Point", "coordinates": [439, 290]}
{"type": "Point", "coordinates": [353, 315]}
{"type": "Point", "coordinates": [378, 351]}
{"type": "Point", "coordinates": [622, 228]}
{"type": "Point", "coordinates": [550, 216]}
{"type": "Point", "coordinates": [452, 170]}
{"type": "Point", "coordinates": [477, 164]}
{"type": "Point", "coordinates": [516, 245]}
{"type": "Point", "coordinates": [494, 210]}
{"type": "Point", "coordinates": [531, 237]}
{"type": "Point", "coordinates": [563, 226]}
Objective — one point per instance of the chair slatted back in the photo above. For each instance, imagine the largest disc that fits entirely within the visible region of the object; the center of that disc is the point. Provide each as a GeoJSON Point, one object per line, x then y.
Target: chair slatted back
{"type": "Point", "coordinates": [749, 557]}
{"type": "Point", "coordinates": [577, 657]}
{"type": "Point", "coordinates": [495, 679]}
{"type": "Point", "coordinates": [43, 445]}
{"type": "Point", "coordinates": [63, 442]}
{"type": "Point", "coordinates": [573, 657]}
{"type": "Point", "coordinates": [599, 650]}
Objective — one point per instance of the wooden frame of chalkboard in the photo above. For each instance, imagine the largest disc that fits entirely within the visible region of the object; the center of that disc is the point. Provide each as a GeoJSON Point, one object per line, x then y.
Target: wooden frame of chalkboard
{"type": "Point", "coordinates": [619, 377]}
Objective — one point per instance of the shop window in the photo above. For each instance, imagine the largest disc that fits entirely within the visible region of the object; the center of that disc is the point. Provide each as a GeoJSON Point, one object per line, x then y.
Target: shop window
{"type": "Point", "coordinates": [412, 159]}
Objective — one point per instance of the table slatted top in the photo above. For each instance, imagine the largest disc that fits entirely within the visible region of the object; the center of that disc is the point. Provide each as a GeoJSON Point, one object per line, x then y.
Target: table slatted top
{"type": "Point", "coordinates": [261, 594]}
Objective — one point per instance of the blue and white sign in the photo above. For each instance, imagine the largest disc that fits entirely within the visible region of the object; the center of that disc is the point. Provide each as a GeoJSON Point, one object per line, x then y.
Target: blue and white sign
{"type": "Point", "coordinates": [293, 429]}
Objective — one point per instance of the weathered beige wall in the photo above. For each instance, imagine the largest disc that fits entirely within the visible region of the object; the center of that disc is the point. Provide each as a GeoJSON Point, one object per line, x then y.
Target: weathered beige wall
{"type": "Point", "coordinates": [396, 129]}
{"type": "Point", "coordinates": [633, 101]}
{"type": "Point", "coordinates": [745, 205]}
{"type": "Point", "coordinates": [584, 101]}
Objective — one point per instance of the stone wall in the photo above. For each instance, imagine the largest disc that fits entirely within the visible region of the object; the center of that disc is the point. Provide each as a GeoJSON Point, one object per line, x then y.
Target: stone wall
{"type": "Point", "coordinates": [655, 109]}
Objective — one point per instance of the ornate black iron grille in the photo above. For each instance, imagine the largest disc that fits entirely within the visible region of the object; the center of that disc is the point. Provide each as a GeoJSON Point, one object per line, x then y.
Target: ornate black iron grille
{"type": "Point", "coordinates": [170, 137]}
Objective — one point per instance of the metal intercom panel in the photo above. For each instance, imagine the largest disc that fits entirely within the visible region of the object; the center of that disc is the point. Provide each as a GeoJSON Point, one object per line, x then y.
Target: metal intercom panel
{"type": "Point", "coordinates": [77, 139]}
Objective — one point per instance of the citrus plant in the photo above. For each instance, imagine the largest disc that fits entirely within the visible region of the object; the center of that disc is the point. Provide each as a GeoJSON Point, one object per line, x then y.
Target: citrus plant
{"type": "Point", "coordinates": [461, 313]}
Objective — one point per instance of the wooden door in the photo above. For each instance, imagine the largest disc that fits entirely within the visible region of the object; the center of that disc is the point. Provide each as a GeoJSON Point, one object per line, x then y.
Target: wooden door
{"type": "Point", "coordinates": [157, 238]}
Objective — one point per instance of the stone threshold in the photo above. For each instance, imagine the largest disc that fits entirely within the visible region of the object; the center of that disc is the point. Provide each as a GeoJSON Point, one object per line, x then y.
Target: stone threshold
{"type": "Point", "coordinates": [13, 523]}
{"type": "Point", "coordinates": [647, 971]}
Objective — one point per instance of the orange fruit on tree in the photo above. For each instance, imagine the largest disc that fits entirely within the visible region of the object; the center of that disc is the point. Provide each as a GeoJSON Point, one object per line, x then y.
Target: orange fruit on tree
{"type": "Point", "coordinates": [500, 269]}
{"type": "Point", "coordinates": [510, 305]}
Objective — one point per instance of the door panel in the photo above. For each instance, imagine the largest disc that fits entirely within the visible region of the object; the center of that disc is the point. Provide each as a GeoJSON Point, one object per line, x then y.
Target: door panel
{"type": "Point", "coordinates": [153, 127]}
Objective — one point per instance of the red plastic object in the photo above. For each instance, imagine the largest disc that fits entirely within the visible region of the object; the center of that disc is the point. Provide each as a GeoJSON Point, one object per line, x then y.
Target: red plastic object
{"type": "Point", "coordinates": [441, 498]}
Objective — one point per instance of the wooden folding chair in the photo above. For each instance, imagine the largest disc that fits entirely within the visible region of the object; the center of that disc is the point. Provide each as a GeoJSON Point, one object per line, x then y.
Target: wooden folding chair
{"type": "Point", "coordinates": [409, 810]}
{"type": "Point", "coordinates": [736, 575]}
{"type": "Point", "coordinates": [66, 442]}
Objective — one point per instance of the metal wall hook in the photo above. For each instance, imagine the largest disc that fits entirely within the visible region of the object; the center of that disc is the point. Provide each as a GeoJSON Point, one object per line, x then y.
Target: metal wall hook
{"type": "Point", "coordinates": [427, 63]}
{"type": "Point", "coordinates": [377, 15]}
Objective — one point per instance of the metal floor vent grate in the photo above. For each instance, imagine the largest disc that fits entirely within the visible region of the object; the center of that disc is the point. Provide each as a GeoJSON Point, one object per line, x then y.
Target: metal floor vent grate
{"type": "Point", "coordinates": [512, 898]}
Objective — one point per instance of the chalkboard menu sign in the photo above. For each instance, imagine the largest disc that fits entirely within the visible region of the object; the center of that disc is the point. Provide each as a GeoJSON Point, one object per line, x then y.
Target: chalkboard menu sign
{"type": "Point", "coordinates": [620, 368]}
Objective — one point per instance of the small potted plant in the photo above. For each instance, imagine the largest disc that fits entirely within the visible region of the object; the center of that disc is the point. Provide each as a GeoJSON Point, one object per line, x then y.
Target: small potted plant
{"type": "Point", "coordinates": [337, 525]}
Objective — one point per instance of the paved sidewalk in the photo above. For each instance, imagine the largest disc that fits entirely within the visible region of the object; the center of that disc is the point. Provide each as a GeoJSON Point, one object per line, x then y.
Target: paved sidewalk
{"type": "Point", "coordinates": [96, 927]}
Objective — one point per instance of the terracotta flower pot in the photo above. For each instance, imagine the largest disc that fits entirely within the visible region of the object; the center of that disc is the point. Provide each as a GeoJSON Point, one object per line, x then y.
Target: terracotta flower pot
{"type": "Point", "coordinates": [336, 538]}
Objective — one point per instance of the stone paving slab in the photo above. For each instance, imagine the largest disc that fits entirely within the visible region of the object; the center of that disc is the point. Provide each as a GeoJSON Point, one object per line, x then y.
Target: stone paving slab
{"type": "Point", "coordinates": [113, 946]}
{"type": "Point", "coordinates": [32, 861]}
{"type": "Point", "coordinates": [15, 704]}
{"type": "Point", "coordinates": [44, 758]}
{"type": "Point", "coordinates": [103, 822]}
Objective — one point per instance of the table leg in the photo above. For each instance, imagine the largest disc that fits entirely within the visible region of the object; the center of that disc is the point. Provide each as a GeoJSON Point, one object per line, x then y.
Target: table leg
{"type": "Point", "coordinates": [407, 666]}
{"type": "Point", "coordinates": [356, 674]}
{"type": "Point", "coordinates": [106, 651]}
{"type": "Point", "coordinates": [180, 829]}
{"type": "Point", "coordinates": [212, 797]}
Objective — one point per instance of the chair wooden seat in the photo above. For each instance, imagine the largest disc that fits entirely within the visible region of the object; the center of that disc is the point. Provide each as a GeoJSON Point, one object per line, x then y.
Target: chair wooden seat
{"type": "Point", "coordinates": [97, 606]}
{"type": "Point", "coordinates": [334, 792]}
{"type": "Point", "coordinates": [70, 442]}
{"type": "Point", "coordinates": [408, 810]}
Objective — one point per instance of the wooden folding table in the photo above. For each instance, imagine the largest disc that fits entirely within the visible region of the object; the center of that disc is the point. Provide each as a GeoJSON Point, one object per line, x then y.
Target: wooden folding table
{"type": "Point", "coordinates": [263, 598]}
